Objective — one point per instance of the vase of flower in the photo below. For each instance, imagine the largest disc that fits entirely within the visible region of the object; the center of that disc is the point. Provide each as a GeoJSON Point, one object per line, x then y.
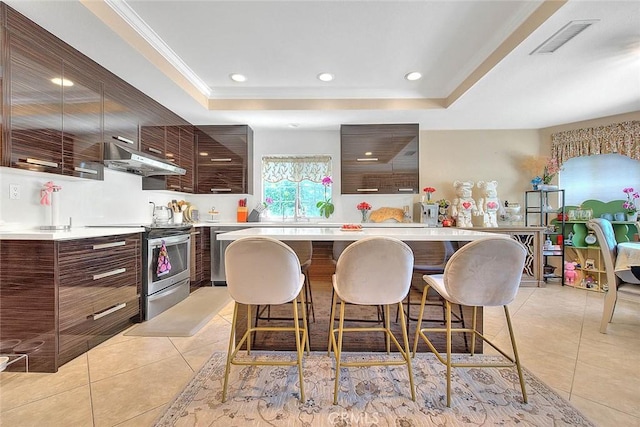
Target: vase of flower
{"type": "Point", "coordinates": [364, 209]}
{"type": "Point", "coordinates": [630, 204]}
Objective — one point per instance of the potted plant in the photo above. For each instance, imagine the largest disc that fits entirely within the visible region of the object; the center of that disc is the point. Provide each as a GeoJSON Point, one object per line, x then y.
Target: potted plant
{"type": "Point", "coordinates": [630, 204]}
{"type": "Point", "coordinates": [325, 206]}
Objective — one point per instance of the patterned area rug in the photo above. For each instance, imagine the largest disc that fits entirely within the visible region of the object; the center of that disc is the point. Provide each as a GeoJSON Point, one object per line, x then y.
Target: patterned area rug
{"type": "Point", "coordinates": [377, 396]}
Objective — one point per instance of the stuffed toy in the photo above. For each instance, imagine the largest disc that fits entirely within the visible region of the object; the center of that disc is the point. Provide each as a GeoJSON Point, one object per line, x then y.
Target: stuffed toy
{"type": "Point", "coordinates": [570, 273]}
{"type": "Point", "coordinates": [489, 205]}
{"type": "Point", "coordinates": [463, 205]}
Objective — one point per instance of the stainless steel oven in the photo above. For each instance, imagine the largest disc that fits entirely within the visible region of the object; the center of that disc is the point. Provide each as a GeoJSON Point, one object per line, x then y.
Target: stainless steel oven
{"type": "Point", "coordinates": [163, 291]}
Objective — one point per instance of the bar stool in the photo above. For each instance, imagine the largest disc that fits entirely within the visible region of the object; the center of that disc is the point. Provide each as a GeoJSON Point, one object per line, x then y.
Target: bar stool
{"type": "Point", "coordinates": [304, 252]}
{"type": "Point", "coordinates": [372, 271]}
{"type": "Point", "coordinates": [482, 273]}
{"type": "Point", "coordinates": [444, 249]}
{"type": "Point", "coordinates": [246, 261]}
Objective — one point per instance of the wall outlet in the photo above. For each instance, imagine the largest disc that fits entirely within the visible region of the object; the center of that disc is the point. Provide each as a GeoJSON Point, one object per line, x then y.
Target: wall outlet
{"type": "Point", "coordinates": [14, 191]}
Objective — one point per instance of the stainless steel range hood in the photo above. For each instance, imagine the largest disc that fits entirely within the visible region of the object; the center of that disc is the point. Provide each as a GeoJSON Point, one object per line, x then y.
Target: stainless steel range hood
{"type": "Point", "coordinates": [127, 159]}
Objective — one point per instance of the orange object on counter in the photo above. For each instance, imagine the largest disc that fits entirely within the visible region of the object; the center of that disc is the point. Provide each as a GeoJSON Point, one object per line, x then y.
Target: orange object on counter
{"type": "Point", "coordinates": [241, 215]}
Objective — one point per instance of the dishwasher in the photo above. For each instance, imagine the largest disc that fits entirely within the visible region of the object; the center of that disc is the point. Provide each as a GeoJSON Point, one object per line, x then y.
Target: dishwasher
{"type": "Point", "coordinates": [218, 276]}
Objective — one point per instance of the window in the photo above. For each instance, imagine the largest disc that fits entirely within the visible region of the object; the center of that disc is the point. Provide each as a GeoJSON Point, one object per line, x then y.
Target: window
{"type": "Point", "coordinates": [290, 179]}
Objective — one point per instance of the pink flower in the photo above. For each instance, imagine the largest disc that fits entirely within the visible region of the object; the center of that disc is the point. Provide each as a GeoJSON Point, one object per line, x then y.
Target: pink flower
{"type": "Point", "coordinates": [326, 181]}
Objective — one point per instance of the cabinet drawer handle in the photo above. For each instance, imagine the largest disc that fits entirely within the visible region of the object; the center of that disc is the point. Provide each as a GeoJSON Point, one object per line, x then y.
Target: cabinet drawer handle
{"type": "Point", "coordinates": [220, 189]}
{"type": "Point", "coordinates": [123, 139]}
{"type": "Point", "coordinates": [405, 189]}
{"type": "Point", "coordinates": [367, 159]}
{"type": "Point", "coordinates": [366, 189]}
{"type": "Point", "coordinates": [109, 245]}
{"type": "Point", "coordinates": [42, 163]}
{"type": "Point", "coordinates": [109, 273]}
{"type": "Point", "coordinates": [177, 187]}
{"type": "Point", "coordinates": [108, 311]}
{"type": "Point", "coordinates": [154, 150]}
{"type": "Point", "coordinates": [221, 160]}
{"type": "Point", "coordinates": [85, 170]}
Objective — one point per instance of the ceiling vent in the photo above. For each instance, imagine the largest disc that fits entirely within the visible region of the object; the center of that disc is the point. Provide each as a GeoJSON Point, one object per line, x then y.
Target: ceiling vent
{"type": "Point", "coordinates": [562, 36]}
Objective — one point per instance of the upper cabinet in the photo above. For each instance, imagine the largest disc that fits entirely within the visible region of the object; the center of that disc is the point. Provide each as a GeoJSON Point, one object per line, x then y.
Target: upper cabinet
{"type": "Point", "coordinates": [81, 124]}
{"type": "Point", "coordinates": [55, 113]}
{"type": "Point", "coordinates": [35, 108]}
{"type": "Point", "coordinates": [379, 159]}
{"type": "Point", "coordinates": [59, 108]}
{"type": "Point", "coordinates": [224, 159]}
{"type": "Point", "coordinates": [120, 121]}
{"type": "Point", "coordinates": [174, 144]}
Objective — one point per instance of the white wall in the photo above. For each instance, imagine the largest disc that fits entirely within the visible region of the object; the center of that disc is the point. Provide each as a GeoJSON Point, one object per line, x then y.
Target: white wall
{"type": "Point", "coordinates": [447, 156]}
{"type": "Point", "coordinates": [118, 199]}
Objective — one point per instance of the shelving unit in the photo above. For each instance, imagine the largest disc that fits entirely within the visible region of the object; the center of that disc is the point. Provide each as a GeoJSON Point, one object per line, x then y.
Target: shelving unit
{"type": "Point", "coordinates": [592, 277]}
{"type": "Point", "coordinates": [539, 211]}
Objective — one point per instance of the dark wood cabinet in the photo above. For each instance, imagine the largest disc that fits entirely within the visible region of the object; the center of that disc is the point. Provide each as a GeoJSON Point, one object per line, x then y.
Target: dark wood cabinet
{"type": "Point", "coordinates": [153, 140]}
{"type": "Point", "coordinates": [379, 159]}
{"type": "Point", "coordinates": [35, 108]}
{"type": "Point", "coordinates": [177, 147]}
{"type": "Point", "coordinates": [121, 123]}
{"type": "Point", "coordinates": [81, 124]}
{"type": "Point", "coordinates": [201, 258]}
{"type": "Point", "coordinates": [224, 159]}
{"type": "Point", "coordinates": [64, 297]}
{"type": "Point", "coordinates": [187, 152]}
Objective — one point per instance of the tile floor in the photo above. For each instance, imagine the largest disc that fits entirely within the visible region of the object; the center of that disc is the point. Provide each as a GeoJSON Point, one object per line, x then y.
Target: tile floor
{"type": "Point", "coordinates": [128, 381]}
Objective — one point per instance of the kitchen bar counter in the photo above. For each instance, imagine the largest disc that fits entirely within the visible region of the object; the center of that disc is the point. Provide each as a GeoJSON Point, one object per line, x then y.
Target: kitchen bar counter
{"type": "Point", "coordinates": [413, 234]}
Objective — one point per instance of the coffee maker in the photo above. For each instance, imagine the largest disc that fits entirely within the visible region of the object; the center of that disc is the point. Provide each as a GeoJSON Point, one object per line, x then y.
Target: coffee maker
{"type": "Point", "coordinates": [427, 213]}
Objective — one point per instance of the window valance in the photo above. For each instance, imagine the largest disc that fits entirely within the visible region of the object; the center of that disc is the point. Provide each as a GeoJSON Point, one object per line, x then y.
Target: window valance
{"type": "Point", "coordinates": [295, 168]}
{"type": "Point", "coordinates": [621, 138]}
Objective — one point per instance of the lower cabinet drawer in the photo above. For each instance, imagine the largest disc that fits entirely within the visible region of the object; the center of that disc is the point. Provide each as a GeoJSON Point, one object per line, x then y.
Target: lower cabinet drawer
{"type": "Point", "coordinates": [80, 337]}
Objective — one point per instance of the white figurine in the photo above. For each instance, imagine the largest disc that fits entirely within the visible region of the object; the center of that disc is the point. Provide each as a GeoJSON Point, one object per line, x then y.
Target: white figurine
{"type": "Point", "coordinates": [489, 203]}
{"type": "Point", "coordinates": [463, 206]}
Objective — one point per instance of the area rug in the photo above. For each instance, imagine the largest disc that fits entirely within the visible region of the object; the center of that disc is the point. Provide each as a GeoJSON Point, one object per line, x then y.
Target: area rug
{"type": "Point", "coordinates": [376, 396]}
{"type": "Point", "coordinates": [187, 317]}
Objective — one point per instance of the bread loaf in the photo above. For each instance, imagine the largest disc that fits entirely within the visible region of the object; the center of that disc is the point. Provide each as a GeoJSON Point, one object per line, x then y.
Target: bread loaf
{"type": "Point", "coordinates": [384, 214]}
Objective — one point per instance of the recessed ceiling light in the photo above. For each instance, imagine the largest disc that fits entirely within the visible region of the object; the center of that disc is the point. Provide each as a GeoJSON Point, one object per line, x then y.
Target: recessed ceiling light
{"type": "Point", "coordinates": [325, 77]}
{"type": "Point", "coordinates": [61, 82]}
{"type": "Point", "coordinates": [414, 75]}
{"type": "Point", "coordinates": [203, 153]}
{"type": "Point", "coordinates": [238, 77]}
{"type": "Point", "coordinates": [368, 153]}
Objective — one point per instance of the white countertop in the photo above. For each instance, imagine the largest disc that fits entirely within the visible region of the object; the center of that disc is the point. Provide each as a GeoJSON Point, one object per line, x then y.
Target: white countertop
{"type": "Point", "coordinates": [336, 234]}
{"type": "Point", "coordinates": [74, 233]}
{"type": "Point", "coordinates": [97, 231]}
{"type": "Point", "coordinates": [304, 224]}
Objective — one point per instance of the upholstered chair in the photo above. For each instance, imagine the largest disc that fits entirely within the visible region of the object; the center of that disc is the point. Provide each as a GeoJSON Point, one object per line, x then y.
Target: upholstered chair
{"type": "Point", "coordinates": [482, 273]}
{"type": "Point", "coordinates": [618, 289]}
{"type": "Point", "coordinates": [372, 271]}
{"type": "Point", "coordinates": [246, 261]}
{"type": "Point", "coordinates": [304, 251]}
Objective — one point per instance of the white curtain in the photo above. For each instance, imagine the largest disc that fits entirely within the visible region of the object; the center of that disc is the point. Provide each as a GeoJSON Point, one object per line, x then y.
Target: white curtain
{"type": "Point", "coordinates": [295, 168]}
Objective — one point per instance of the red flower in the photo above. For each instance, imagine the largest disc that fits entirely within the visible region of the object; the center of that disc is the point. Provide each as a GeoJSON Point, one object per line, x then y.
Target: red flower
{"type": "Point", "coordinates": [429, 190]}
{"type": "Point", "coordinates": [364, 206]}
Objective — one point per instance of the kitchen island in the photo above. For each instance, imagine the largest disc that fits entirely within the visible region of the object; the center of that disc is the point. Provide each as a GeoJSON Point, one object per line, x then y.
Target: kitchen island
{"type": "Point", "coordinates": [322, 288]}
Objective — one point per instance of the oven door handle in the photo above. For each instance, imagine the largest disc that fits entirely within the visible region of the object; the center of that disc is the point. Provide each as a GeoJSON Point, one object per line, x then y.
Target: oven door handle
{"type": "Point", "coordinates": [157, 242]}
